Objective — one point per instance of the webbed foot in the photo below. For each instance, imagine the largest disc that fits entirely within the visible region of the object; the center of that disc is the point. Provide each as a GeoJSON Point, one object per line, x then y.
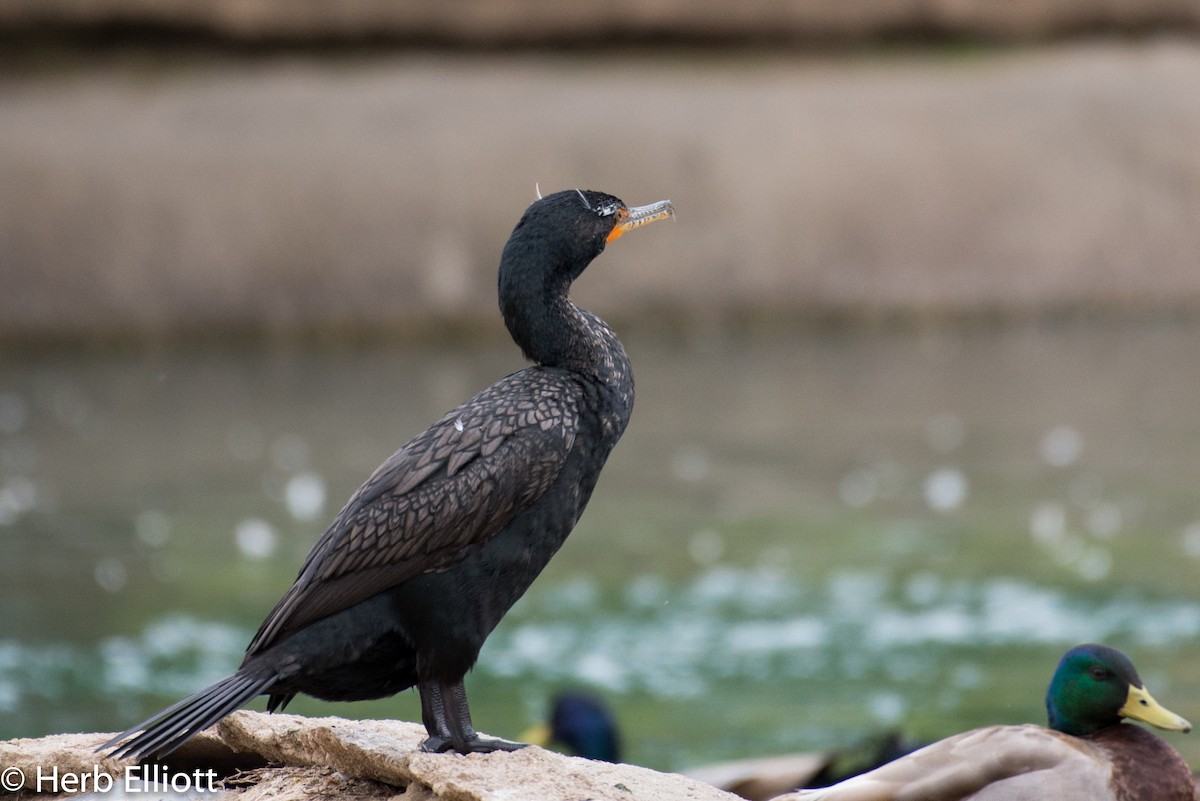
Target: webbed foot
{"type": "Point", "coordinates": [475, 745]}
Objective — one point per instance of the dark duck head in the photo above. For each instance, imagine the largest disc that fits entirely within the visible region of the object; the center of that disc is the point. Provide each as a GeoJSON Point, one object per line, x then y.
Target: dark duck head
{"type": "Point", "coordinates": [580, 724]}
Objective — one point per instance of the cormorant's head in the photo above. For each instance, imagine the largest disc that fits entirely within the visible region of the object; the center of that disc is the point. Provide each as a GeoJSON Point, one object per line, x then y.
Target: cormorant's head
{"type": "Point", "coordinates": [554, 241]}
{"type": "Point", "coordinates": [1095, 686]}
{"type": "Point", "coordinates": [566, 230]}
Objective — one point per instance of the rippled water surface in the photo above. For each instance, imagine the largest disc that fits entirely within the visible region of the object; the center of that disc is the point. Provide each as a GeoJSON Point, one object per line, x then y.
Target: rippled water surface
{"type": "Point", "coordinates": [804, 537]}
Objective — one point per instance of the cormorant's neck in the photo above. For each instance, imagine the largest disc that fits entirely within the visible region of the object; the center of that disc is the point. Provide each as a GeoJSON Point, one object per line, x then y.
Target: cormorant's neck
{"type": "Point", "coordinates": [551, 330]}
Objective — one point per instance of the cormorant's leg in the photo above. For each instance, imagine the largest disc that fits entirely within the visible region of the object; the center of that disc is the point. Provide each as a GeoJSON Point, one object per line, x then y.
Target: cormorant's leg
{"type": "Point", "coordinates": [462, 736]}
{"type": "Point", "coordinates": [433, 715]}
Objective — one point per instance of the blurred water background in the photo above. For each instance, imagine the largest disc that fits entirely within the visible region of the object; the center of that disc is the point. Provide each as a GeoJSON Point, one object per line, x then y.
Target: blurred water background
{"type": "Point", "coordinates": [916, 366]}
{"type": "Point", "coordinates": [838, 531]}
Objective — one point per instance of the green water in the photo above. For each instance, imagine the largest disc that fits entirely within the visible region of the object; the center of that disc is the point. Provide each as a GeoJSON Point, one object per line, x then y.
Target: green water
{"type": "Point", "coordinates": [805, 535]}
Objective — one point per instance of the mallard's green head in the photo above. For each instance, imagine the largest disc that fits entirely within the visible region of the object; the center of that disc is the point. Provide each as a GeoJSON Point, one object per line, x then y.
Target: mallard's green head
{"type": "Point", "coordinates": [1095, 686]}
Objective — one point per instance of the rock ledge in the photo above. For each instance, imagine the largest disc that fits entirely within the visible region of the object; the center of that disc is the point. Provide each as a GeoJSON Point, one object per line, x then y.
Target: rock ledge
{"type": "Point", "coordinates": [256, 755]}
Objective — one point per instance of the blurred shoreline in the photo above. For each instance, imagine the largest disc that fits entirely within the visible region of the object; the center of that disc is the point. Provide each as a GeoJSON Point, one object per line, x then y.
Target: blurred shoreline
{"type": "Point", "coordinates": [335, 198]}
{"type": "Point", "coordinates": [574, 23]}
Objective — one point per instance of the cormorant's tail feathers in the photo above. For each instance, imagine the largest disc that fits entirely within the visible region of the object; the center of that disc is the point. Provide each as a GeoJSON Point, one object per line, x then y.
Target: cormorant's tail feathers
{"type": "Point", "coordinates": [165, 731]}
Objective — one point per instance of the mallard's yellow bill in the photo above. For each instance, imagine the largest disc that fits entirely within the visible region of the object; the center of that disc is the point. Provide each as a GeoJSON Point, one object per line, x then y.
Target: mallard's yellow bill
{"type": "Point", "coordinates": [1140, 705]}
{"type": "Point", "coordinates": [536, 735]}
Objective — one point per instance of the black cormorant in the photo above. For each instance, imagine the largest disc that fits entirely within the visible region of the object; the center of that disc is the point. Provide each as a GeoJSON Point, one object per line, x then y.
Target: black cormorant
{"type": "Point", "coordinates": [431, 552]}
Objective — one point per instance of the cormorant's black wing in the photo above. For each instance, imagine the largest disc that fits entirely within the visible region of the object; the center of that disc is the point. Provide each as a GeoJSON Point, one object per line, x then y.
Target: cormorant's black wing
{"type": "Point", "coordinates": [453, 486]}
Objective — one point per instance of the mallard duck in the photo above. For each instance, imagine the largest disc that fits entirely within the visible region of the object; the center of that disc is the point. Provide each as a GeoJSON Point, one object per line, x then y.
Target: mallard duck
{"type": "Point", "coordinates": [765, 777]}
{"type": "Point", "coordinates": [1087, 753]}
{"type": "Point", "coordinates": [583, 725]}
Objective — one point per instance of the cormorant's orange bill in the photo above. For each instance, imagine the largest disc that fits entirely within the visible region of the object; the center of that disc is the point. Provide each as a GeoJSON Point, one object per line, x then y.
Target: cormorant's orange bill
{"type": "Point", "coordinates": [628, 219]}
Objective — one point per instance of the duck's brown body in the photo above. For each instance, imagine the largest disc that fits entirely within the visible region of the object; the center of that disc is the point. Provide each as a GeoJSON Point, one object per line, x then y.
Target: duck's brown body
{"type": "Point", "coordinates": [1026, 763]}
{"type": "Point", "coordinates": [1144, 766]}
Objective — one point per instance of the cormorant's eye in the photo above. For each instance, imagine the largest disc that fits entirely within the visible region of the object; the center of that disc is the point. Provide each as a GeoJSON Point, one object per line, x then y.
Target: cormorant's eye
{"type": "Point", "coordinates": [609, 209]}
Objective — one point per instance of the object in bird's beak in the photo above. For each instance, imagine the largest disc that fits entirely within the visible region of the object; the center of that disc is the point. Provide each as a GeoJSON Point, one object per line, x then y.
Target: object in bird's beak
{"type": "Point", "coordinates": [641, 215]}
